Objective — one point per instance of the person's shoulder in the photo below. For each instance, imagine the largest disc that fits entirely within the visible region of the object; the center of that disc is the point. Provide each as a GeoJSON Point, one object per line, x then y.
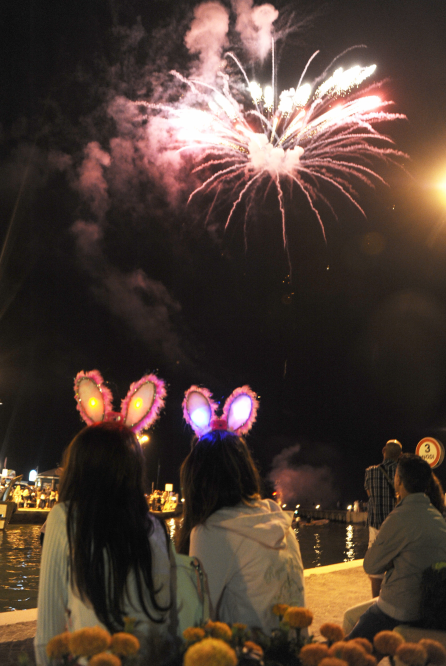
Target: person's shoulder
{"type": "Point", "coordinates": [58, 513]}
{"type": "Point", "coordinates": [371, 468]}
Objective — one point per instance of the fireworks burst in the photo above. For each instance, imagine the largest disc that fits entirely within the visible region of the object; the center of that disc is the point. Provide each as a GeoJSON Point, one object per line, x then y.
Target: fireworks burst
{"type": "Point", "coordinates": [245, 138]}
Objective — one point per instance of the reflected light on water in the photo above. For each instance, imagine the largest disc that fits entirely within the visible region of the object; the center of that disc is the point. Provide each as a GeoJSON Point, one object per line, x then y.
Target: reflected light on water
{"type": "Point", "coordinates": [20, 555]}
{"type": "Point", "coordinates": [331, 543]}
{"type": "Point", "coordinates": [19, 567]}
{"type": "Point", "coordinates": [349, 544]}
{"type": "Point", "coordinates": [171, 528]}
{"type": "Point", "coordinates": [317, 550]}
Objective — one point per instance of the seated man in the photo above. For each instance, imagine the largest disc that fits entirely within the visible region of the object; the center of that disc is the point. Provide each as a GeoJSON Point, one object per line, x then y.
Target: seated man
{"type": "Point", "coordinates": [412, 538]}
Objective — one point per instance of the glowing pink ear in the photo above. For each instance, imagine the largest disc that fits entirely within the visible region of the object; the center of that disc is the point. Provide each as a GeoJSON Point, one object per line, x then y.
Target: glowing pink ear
{"type": "Point", "coordinates": [240, 410]}
{"type": "Point", "coordinates": [143, 403]}
{"type": "Point", "coordinates": [199, 409]}
{"type": "Point", "coordinates": [94, 400]}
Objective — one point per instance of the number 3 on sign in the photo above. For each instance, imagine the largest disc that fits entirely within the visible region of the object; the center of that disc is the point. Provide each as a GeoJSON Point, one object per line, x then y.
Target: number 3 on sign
{"type": "Point", "coordinates": [431, 450]}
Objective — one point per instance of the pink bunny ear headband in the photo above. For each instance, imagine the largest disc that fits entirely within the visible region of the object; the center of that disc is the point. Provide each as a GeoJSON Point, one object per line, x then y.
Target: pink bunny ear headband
{"type": "Point", "coordinates": [239, 412]}
{"type": "Point", "coordinates": [139, 409]}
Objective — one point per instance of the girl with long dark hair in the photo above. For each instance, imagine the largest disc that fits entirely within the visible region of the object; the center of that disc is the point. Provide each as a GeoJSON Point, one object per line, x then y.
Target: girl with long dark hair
{"type": "Point", "coordinates": [246, 545]}
{"type": "Point", "coordinates": [104, 556]}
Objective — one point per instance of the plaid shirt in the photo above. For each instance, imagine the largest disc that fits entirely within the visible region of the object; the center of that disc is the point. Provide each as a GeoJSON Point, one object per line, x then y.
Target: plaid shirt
{"type": "Point", "coordinates": [382, 496]}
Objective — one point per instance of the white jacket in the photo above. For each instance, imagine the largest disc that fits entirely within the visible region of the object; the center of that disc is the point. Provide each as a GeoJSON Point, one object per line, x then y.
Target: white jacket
{"type": "Point", "coordinates": [252, 560]}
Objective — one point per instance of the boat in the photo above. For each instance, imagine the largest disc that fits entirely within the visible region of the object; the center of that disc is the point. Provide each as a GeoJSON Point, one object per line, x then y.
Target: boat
{"type": "Point", "coordinates": [312, 523]}
{"type": "Point", "coordinates": [164, 504]}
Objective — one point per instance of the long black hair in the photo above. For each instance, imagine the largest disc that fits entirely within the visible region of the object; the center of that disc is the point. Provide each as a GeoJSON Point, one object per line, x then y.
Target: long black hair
{"type": "Point", "coordinates": [219, 471]}
{"type": "Point", "coordinates": [108, 524]}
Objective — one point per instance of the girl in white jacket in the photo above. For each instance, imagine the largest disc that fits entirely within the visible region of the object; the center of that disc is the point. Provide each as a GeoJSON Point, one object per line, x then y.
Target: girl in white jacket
{"type": "Point", "coordinates": [246, 545]}
{"type": "Point", "coordinates": [104, 556]}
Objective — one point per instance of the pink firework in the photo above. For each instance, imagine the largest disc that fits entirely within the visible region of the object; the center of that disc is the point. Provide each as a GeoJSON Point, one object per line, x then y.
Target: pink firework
{"type": "Point", "coordinates": [245, 138]}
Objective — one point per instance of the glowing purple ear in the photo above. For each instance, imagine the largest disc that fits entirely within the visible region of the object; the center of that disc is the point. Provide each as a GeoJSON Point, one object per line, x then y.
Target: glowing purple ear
{"type": "Point", "coordinates": [143, 403]}
{"type": "Point", "coordinates": [199, 409]}
{"type": "Point", "coordinates": [94, 399]}
{"type": "Point", "coordinates": [240, 410]}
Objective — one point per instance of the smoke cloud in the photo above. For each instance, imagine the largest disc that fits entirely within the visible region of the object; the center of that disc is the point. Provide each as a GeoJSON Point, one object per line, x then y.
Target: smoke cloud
{"type": "Point", "coordinates": [144, 305]}
{"type": "Point", "coordinates": [208, 36]}
{"type": "Point", "coordinates": [92, 184]}
{"type": "Point", "coordinates": [302, 483]}
{"type": "Point", "coordinates": [255, 25]}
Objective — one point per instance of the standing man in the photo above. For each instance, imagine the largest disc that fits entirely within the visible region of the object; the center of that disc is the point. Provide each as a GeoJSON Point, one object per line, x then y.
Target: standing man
{"type": "Point", "coordinates": [379, 486]}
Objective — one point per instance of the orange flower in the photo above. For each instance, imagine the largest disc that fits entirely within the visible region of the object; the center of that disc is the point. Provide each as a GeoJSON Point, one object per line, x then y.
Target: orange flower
{"type": "Point", "coordinates": [124, 644]}
{"type": "Point", "coordinates": [370, 660]}
{"type": "Point", "coordinates": [250, 646]}
{"type": "Point", "coordinates": [238, 626]}
{"type": "Point", "coordinates": [210, 652]}
{"type": "Point", "coordinates": [218, 630]}
{"type": "Point", "coordinates": [411, 654]}
{"type": "Point", "coordinates": [312, 654]}
{"type": "Point", "coordinates": [332, 661]}
{"type": "Point", "coordinates": [436, 653]}
{"type": "Point", "coordinates": [193, 634]}
{"type": "Point", "coordinates": [332, 632]}
{"type": "Point", "coordinates": [366, 644]}
{"type": "Point", "coordinates": [387, 642]}
{"type": "Point", "coordinates": [353, 653]}
{"type": "Point", "coordinates": [298, 618]}
{"type": "Point", "coordinates": [105, 659]}
{"type": "Point", "coordinates": [280, 609]}
{"type": "Point", "coordinates": [59, 646]}
{"type": "Point", "coordinates": [89, 641]}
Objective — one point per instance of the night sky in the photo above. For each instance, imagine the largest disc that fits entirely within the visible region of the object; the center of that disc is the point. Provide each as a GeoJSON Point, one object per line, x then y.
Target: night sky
{"type": "Point", "coordinates": [345, 353]}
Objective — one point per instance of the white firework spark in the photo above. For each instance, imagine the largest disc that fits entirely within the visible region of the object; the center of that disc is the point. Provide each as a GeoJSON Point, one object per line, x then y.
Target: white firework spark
{"type": "Point", "coordinates": [316, 138]}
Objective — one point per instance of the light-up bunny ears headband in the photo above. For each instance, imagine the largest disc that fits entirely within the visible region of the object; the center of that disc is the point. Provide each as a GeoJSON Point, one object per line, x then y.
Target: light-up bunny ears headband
{"type": "Point", "coordinates": [239, 412]}
{"type": "Point", "coordinates": [139, 409]}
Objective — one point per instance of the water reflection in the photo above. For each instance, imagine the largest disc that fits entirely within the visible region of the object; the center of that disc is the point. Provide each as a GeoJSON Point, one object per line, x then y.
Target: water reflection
{"type": "Point", "coordinates": [19, 567]}
{"type": "Point", "coordinates": [317, 550]}
{"type": "Point", "coordinates": [349, 544]}
{"type": "Point", "coordinates": [20, 555]}
{"type": "Point", "coordinates": [328, 544]}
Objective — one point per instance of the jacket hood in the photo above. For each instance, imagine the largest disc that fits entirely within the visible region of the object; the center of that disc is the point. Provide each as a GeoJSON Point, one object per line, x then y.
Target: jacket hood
{"type": "Point", "coordinates": [263, 521]}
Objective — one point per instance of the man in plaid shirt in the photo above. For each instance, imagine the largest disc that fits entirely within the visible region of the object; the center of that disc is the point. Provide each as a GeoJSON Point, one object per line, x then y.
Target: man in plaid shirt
{"type": "Point", "coordinates": [379, 487]}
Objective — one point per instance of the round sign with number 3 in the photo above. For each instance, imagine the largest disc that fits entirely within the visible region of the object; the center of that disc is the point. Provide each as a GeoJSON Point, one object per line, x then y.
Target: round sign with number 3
{"type": "Point", "coordinates": [431, 450]}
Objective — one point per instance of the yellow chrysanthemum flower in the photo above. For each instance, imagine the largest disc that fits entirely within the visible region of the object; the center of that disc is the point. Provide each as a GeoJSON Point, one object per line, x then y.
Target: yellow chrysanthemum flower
{"type": "Point", "coordinates": [89, 641]}
{"type": "Point", "coordinates": [299, 618]}
{"type": "Point", "coordinates": [436, 653]}
{"type": "Point", "coordinates": [193, 634]}
{"type": "Point", "coordinates": [331, 631]}
{"type": "Point", "coordinates": [332, 661]}
{"type": "Point", "coordinates": [411, 654]}
{"type": "Point", "coordinates": [210, 652]}
{"type": "Point", "coordinates": [59, 646]}
{"type": "Point", "coordinates": [124, 644]}
{"type": "Point", "coordinates": [312, 654]}
{"type": "Point", "coordinates": [250, 646]}
{"type": "Point", "coordinates": [366, 644]}
{"type": "Point", "coordinates": [238, 626]}
{"type": "Point", "coordinates": [105, 659]}
{"type": "Point", "coordinates": [387, 642]}
{"type": "Point", "coordinates": [280, 609]}
{"type": "Point", "coordinates": [218, 630]}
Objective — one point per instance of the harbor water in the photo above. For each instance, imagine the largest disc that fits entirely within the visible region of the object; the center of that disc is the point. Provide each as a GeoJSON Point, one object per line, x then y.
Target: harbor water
{"type": "Point", "coordinates": [20, 556]}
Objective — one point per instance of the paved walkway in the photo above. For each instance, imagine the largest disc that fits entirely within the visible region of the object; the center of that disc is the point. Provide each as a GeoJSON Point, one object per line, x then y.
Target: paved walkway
{"type": "Point", "coordinates": [329, 592]}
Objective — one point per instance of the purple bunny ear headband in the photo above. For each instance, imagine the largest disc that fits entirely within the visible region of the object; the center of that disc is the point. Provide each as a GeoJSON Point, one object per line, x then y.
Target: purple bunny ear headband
{"type": "Point", "coordinates": [139, 409]}
{"type": "Point", "coordinates": [239, 412]}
